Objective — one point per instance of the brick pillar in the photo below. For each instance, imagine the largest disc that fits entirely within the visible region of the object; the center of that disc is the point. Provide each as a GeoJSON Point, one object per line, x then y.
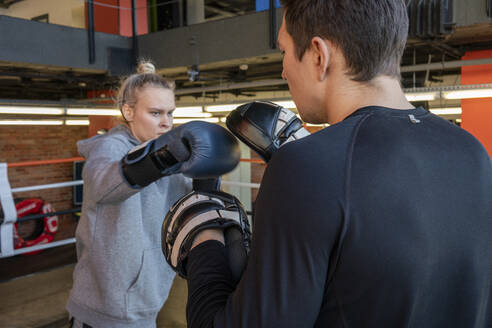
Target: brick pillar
{"type": "Point", "coordinates": [97, 123]}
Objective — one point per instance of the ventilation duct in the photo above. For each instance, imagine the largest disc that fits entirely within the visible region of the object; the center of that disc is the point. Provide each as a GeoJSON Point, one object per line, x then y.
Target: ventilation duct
{"type": "Point", "coordinates": [430, 19]}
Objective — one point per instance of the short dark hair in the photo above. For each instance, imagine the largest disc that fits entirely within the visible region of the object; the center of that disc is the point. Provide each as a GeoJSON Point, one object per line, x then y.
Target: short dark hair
{"type": "Point", "coordinates": [371, 33]}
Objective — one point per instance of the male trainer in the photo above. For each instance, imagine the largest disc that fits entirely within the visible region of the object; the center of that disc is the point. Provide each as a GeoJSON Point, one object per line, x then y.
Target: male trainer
{"type": "Point", "coordinates": [383, 219]}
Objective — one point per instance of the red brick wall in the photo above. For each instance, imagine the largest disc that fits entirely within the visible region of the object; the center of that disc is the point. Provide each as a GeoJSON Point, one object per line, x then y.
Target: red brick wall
{"type": "Point", "coordinates": [102, 122]}
{"type": "Point", "coordinates": [19, 144]}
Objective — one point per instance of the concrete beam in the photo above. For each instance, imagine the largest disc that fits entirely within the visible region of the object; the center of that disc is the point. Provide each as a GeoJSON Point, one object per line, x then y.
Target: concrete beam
{"type": "Point", "coordinates": [29, 42]}
{"type": "Point", "coordinates": [470, 12]}
{"type": "Point", "coordinates": [232, 38]}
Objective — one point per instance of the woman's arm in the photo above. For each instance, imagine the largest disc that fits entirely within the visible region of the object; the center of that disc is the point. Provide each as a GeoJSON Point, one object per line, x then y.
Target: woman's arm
{"type": "Point", "coordinates": [103, 180]}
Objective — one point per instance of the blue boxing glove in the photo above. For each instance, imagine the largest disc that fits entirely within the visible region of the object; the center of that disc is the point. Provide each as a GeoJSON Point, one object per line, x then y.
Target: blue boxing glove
{"type": "Point", "coordinates": [197, 149]}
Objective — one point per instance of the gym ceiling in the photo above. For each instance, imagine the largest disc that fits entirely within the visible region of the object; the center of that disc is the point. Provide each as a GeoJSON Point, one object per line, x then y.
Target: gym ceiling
{"type": "Point", "coordinates": [441, 31]}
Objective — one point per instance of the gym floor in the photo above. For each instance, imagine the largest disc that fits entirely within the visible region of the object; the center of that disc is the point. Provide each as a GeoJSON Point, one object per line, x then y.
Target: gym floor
{"type": "Point", "coordinates": [36, 301]}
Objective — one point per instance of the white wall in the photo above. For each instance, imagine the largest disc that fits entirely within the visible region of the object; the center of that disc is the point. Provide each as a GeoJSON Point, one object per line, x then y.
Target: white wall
{"type": "Point", "coordinates": [61, 12]}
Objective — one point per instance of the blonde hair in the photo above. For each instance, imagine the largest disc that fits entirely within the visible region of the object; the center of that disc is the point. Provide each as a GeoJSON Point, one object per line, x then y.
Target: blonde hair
{"type": "Point", "coordinates": [145, 77]}
{"type": "Point", "coordinates": [145, 67]}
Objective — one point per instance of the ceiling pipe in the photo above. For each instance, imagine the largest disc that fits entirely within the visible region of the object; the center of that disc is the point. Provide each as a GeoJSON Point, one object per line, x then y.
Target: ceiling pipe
{"type": "Point", "coordinates": [273, 25]}
{"type": "Point", "coordinates": [232, 86]}
{"type": "Point", "coordinates": [134, 32]}
{"type": "Point", "coordinates": [90, 32]}
{"type": "Point", "coordinates": [445, 65]}
{"type": "Point", "coordinates": [48, 103]}
{"type": "Point", "coordinates": [273, 82]}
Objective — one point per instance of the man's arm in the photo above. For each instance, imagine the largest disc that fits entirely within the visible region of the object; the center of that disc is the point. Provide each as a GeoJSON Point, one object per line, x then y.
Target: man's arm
{"type": "Point", "coordinates": [209, 283]}
{"type": "Point", "coordinates": [295, 230]}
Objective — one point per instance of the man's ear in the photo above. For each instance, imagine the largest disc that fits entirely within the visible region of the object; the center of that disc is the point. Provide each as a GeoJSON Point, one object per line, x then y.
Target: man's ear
{"type": "Point", "coordinates": [322, 56]}
{"type": "Point", "coordinates": [127, 112]}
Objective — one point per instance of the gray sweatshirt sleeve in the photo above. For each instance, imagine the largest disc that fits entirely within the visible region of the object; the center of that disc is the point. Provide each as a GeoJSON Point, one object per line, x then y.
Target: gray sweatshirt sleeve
{"type": "Point", "coordinates": [102, 174]}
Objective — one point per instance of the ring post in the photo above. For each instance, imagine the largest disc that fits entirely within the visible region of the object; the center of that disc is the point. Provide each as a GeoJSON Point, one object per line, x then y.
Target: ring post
{"type": "Point", "coordinates": [9, 212]}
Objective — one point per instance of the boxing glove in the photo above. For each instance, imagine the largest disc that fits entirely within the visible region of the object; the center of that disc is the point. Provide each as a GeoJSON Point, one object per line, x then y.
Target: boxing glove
{"type": "Point", "coordinates": [197, 149]}
{"type": "Point", "coordinates": [265, 126]}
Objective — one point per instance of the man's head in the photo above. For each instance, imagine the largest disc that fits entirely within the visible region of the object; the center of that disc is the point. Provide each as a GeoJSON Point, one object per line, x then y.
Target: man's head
{"type": "Point", "coordinates": [333, 48]}
{"type": "Point", "coordinates": [370, 33]}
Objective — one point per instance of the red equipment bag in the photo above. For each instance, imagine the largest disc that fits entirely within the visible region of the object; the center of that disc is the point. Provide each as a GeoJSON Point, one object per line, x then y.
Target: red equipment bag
{"type": "Point", "coordinates": [46, 227]}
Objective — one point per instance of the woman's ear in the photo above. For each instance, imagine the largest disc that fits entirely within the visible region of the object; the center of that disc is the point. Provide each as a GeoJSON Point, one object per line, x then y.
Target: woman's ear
{"type": "Point", "coordinates": [127, 112]}
{"type": "Point", "coordinates": [322, 56]}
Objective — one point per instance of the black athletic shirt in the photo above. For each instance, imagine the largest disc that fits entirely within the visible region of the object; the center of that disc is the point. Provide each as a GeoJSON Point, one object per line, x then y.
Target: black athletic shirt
{"type": "Point", "coordinates": [381, 220]}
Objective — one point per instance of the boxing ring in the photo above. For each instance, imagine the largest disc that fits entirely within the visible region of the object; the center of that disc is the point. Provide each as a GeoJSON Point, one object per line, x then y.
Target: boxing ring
{"type": "Point", "coordinates": [7, 203]}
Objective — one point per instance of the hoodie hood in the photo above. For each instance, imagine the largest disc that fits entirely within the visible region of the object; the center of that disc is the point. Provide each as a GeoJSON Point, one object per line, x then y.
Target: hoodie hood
{"type": "Point", "coordinates": [86, 146]}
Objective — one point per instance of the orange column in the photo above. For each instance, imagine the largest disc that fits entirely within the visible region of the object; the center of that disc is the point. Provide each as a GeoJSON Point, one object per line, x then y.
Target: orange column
{"type": "Point", "coordinates": [477, 113]}
{"type": "Point", "coordinates": [126, 17]}
{"type": "Point", "coordinates": [115, 17]}
{"type": "Point", "coordinates": [105, 16]}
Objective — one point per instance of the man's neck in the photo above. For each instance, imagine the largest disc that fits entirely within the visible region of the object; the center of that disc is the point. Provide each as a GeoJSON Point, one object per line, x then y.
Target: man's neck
{"type": "Point", "coordinates": [348, 96]}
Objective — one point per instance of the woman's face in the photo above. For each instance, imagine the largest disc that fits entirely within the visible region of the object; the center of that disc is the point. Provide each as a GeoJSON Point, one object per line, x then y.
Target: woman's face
{"type": "Point", "coordinates": [152, 114]}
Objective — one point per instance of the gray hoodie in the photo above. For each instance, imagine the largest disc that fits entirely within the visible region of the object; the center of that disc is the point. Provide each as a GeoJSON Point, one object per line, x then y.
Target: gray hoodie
{"type": "Point", "coordinates": [121, 278]}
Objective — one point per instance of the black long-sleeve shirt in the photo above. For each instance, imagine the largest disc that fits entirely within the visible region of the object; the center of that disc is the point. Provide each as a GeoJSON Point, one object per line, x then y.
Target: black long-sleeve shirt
{"type": "Point", "coordinates": [381, 220]}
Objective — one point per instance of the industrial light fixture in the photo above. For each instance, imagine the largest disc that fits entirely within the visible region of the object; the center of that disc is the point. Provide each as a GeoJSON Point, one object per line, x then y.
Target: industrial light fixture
{"type": "Point", "coordinates": [446, 111]}
{"type": "Point", "coordinates": [197, 115]}
{"type": "Point", "coordinates": [286, 104]}
{"type": "Point", "coordinates": [222, 108]}
{"type": "Point", "coordinates": [93, 111]}
{"type": "Point", "coordinates": [188, 110]}
{"type": "Point", "coordinates": [31, 110]}
{"type": "Point", "coordinates": [421, 96]}
{"type": "Point", "coordinates": [186, 120]}
{"type": "Point", "coordinates": [318, 125]}
{"type": "Point", "coordinates": [31, 122]}
{"type": "Point", "coordinates": [468, 94]}
{"type": "Point", "coordinates": [195, 111]}
{"type": "Point", "coordinates": [76, 122]}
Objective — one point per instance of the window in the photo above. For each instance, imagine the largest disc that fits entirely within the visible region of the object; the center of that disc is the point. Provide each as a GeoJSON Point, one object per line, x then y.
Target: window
{"type": "Point", "coordinates": [42, 18]}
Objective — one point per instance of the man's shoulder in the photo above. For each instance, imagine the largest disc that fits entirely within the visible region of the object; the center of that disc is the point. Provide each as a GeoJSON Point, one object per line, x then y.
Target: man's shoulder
{"type": "Point", "coordinates": [329, 144]}
{"type": "Point", "coordinates": [316, 162]}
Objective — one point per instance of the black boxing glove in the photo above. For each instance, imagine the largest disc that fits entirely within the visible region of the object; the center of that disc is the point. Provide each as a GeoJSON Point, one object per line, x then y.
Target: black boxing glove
{"type": "Point", "coordinates": [265, 126]}
{"type": "Point", "coordinates": [197, 149]}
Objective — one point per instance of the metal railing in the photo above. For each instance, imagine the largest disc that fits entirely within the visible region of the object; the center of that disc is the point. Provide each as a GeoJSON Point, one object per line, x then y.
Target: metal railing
{"type": "Point", "coordinates": [10, 214]}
